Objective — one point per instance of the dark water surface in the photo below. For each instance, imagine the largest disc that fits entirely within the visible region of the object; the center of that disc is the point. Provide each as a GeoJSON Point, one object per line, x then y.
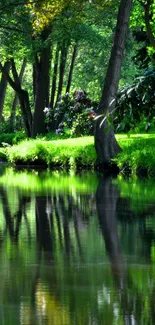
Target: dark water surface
{"type": "Point", "coordinates": [76, 249]}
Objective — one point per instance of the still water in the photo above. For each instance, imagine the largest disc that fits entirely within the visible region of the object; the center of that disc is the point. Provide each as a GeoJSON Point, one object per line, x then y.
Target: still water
{"type": "Point", "coordinates": [76, 249]}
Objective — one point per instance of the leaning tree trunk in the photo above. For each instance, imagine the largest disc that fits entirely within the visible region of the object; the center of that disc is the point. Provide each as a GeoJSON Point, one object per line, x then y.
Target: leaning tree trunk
{"type": "Point", "coordinates": [105, 142]}
{"type": "Point", "coordinates": [23, 100]}
{"type": "Point", "coordinates": [26, 111]}
{"type": "Point", "coordinates": [15, 101]}
{"type": "Point", "coordinates": [41, 87]}
{"type": "Point", "coordinates": [22, 95]}
{"type": "Point", "coordinates": [3, 86]}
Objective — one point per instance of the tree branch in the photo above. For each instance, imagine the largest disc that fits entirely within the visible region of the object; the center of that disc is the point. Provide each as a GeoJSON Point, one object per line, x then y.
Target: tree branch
{"type": "Point", "coordinates": [9, 79]}
{"type": "Point", "coordinates": [15, 73]}
{"type": "Point", "coordinates": [148, 25]}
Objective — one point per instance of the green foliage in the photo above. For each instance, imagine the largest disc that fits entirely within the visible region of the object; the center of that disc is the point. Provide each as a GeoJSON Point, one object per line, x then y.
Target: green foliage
{"type": "Point", "coordinates": [2, 155]}
{"type": "Point", "coordinates": [75, 113]}
{"type": "Point", "coordinates": [11, 138]}
{"type": "Point", "coordinates": [136, 105]}
{"type": "Point", "coordinates": [142, 57]}
{"type": "Point", "coordinates": [138, 155]}
{"type": "Point", "coordinates": [68, 153]}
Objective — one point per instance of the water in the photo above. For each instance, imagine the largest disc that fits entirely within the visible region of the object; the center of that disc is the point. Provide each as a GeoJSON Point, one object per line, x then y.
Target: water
{"type": "Point", "coordinates": [76, 249]}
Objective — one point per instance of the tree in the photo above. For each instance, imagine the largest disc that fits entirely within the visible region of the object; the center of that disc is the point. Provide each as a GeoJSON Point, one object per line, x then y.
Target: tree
{"type": "Point", "coordinates": [148, 16]}
{"type": "Point", "coordinates": [71, 68]}
{"type": "Point", "coordinates": [22, 95]}
{"type": "Point", "coordinates": [15, 101]}
{"type": "Point", "coordinates": [3, 86]}
{"type": "Point", "coordinates": [41, 96]}
{"type": "Point", "coordinates": [105, 141]}
{"type": "Point", "coordinates": [43, 24]}
{"type": "Point", "coordinates": [143, 29]}
{"type": "Point", "coordinates": [54, 81]}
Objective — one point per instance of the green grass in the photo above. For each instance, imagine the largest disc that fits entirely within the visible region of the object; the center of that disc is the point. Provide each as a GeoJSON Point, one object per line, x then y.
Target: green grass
{"type": "Point", "coordinates": [67, 153]}
{"type": "Point", "coordinates": [138, 153]}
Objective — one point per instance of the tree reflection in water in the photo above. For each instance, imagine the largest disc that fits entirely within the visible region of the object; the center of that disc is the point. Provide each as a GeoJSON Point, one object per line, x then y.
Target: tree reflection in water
{"type": "Point", "coordinates": [61, 267]}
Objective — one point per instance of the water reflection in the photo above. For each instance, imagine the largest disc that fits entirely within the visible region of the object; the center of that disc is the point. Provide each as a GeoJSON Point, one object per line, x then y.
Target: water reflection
{"type": "Point", "coordinates": [75, 254]}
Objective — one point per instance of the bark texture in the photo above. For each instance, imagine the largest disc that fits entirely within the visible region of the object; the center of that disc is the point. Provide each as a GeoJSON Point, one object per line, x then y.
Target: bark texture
{"type": "Point", "coordinates": [15, 101]}
{"type": "Point", "coordinates": [22, 95]}
{"type": "Point", "coordinates": [41, 85]}
{"type": "Point", "coordinates": [63, 58]}
{"type": "Point", "coordinates": [3, 87]}
{"type": "Point", "coordinates": [54, 81]}
{"type": "Point", "coordinates": [23, 100]}
{"type": "Point", "coordinates": [71, 68]}
{"type": "Point", "coordinates": [105, 142]}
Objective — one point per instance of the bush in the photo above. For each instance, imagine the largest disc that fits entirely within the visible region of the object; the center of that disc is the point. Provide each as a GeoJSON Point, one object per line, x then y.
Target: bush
{"type": "Point", "coordinates": [138, 154]}
{"type": "Point", "coordinates": [136, 105]}
{"type": "Point", "coordinates": [73, 115]}
{"type": "Point", "coordinates": [10, 138]}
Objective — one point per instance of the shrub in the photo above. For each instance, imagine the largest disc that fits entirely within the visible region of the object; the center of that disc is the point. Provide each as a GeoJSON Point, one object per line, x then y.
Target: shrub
{"type": "Point", "coordinates": [73, 115]}
{"type": "Point", "coordinates": [10, 138]}
{"type": "Point", "coordinates": [136, 105]}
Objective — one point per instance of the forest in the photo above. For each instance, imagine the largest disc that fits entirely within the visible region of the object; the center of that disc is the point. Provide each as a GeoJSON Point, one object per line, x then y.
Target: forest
{"type": "Point", "coordinates": [77, 162]}
{"type": "Point", "coordinates": [77, 69]}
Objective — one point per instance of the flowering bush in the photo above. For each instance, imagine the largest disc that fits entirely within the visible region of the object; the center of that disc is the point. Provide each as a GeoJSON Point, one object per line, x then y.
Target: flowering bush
{"type": "Point", "coordinates": [75, 113]}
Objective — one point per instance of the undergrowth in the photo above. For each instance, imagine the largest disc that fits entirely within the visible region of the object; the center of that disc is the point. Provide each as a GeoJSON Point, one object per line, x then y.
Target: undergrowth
{"type": "Point", "coordinates": [69, 153]}
{"type": "Point", "coordinates": [138, 155]}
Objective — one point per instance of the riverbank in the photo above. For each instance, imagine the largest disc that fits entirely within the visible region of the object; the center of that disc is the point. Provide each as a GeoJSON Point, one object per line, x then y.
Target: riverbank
{"type": "Point", "coordinates": [137, 156]}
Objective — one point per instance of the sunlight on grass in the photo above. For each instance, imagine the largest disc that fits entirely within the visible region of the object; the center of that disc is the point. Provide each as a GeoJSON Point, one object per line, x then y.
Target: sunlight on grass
{"type": "Point", "coordinates": [138, 152]}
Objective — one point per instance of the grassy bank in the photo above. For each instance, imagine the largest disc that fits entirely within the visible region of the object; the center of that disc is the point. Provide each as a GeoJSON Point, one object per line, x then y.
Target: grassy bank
{"type": "Point", "coordinates": [68, 153]}
{"type": "Point", "coordinates": [138, 153]}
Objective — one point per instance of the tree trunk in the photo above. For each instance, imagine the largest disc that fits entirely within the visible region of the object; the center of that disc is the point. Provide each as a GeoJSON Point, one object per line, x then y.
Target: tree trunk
{"type": "Point", "coordinates": [23, 97]}
{"type": "Point", "coordinates": [105, 142]}
{"type": "Point", "coordinates": [3, 86]}
{"type": "Point", "coordinates": [14, 105]}
{"type": "Point", "coordinates": [35, 70]}
{"type": "Point", "coordinates": [63, 59]}
{"type": "Point", "coordinates": [26, 111]}
{"type": "Point", "coordinates": [23, 100]}
{"type": "Point", "coordinates": [42, 87]}
{"type": "Point", "coordinates": [54, 81]}
{"type": "Point", "coordinates": [71, 68]}
{"type": "Point", "coordinates": [148, 24]}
